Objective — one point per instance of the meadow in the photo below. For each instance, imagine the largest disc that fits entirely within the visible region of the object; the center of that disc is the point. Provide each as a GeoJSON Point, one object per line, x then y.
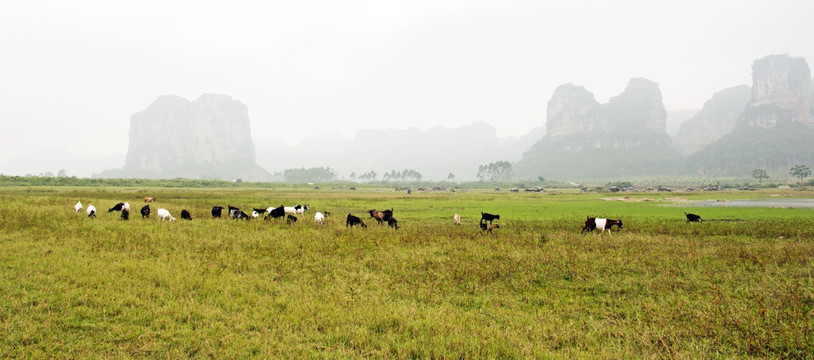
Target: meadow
{"type": "Point", "coordinates": [740, 285]}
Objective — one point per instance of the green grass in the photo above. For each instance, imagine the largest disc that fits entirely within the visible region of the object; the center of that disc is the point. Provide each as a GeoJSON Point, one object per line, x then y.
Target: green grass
{"type": "Point", "coordinates": [71, 287]}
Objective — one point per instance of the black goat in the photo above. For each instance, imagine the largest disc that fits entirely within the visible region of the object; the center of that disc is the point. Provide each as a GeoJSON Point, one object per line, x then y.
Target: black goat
{"type": "Point", "coordinates": [145, 211]}
{"type": "Point", "coordinates": [354, 220]}
{"type": "Point", "coordinates": [488, 217]}
{"type": "Point", "coordinates": [693, 217]}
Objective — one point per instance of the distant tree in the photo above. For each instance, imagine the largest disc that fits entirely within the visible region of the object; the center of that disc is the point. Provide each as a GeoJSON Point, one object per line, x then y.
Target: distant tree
{"type": "Point", "coordinates": [500, 170]}
{"type": "Point", "coordinates": [353, 176]}
{"type": "Point", "coordinates": [800, 172]}
{"type": "Point", "coordinates": [62, 173]}
{"type": "Point", "coordinates": [309, 175]}
{"type": "Point", "coordinates": [541, 179]}
{"type": "Point", "coordinates": [760, 175]}
{"type": "Point", "coordinates": [451, 177]}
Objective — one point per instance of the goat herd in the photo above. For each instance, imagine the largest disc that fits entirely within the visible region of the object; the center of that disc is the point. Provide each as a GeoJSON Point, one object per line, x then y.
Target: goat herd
{"type": "Point", "coordinates": [290, 213]}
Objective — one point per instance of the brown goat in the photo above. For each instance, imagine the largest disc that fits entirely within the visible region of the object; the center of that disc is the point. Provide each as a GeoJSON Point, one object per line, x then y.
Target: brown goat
{"type": "Point", "coordinates": [381, 216]}
{"type": "Point", "coordinates": [149, 199]}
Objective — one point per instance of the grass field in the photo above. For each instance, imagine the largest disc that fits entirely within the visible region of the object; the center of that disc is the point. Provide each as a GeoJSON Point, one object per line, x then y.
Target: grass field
{"type": "Point", "coordinates": [740, 286]}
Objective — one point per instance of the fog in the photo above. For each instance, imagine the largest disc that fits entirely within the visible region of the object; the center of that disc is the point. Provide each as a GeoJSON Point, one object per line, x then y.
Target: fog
{"type": "Point", "coordinates": [74, 72]}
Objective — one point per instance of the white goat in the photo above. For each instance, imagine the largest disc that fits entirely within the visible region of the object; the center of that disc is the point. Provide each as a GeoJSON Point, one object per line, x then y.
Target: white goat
{"type": "Point", "coordinates": [78, 206]}
{"type": "Point", "coordinates": [319, 218]}
{"type": "Point", "coordinates": [164, 214]}
{"type": "Point", "coordinates": [255, 214]}
{"type": "Point", "coordinates": [457, 219]}
{"type": "Point", "coordinates": [91, 211]}
{"type": "Point", "coordinates": [126, 206]}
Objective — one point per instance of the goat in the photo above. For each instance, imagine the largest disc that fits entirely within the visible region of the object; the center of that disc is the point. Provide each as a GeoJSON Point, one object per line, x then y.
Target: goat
{"type": "Point", "coordinates": [216, 211]}
{"type": "Point", "coordinates": [78, 206]}
{"type": "Point", "coordinates": [354, 220]}
{"type": "Point", "coordinates": [488, 217]}
{"type": "Point", "coordinates": [91, 211]}
{"type": "Point", "coordinates": [126, 206]}
{"type": "Point", "coordinates": [457, 219]}
{"type": "Point", "coordinates": [319, 218]}
{"type": "Point", "coordinates": [164, 214]}
{"type": "Point", "coordinates": [301, 210]}
{"type": "Point", "coordinates": [290, 219]}
{"type": "Point", "coordinates": [145, 211]}
{"type": "Point", "coordinates": [258, 211]}
{"type": "Point", "coordinates": [393, 223]}
{"type": "Point", "coordinates": [117, 207]}
{"type": "Point", "coordinates": [125, 214]}
{"type": "Point", "coordinates": [693, 217]}
{"type": "Point", "coordinates": [185, 214]}
{"type": "Point", "coordinates": [592, 224]}
{"type": "Point", "coordinates": [380, 216]}
{"type": "Point", "coordinates": [488, 227]}
{"type": "Point", "coordinates": [275, 212]}
{"type": "Point", "coordinates": [149, 199]}
{"type": "Point", "coordinates": [256, 214]}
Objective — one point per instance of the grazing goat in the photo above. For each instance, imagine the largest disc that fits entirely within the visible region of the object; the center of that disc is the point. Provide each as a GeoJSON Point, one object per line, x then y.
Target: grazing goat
{"type": "Point", "coordinates": [290, 219]}
{"type": "Point", "coordinates": [117, 207]}
{"type": "Point", "coordinates": [275, 213]}
{"type": "Point", "coordinates": [457, 219]}
{"type": "Point", "coordinates": [693, 217]}
{"type": "Point", "coordinates": [354, 220]}
{"type": "Point", "coordinates": [164, 214]}
{"type": "Point", "coordinates": [185, 214]}
{"type": "Point", "coordinates": [393, 223]}
{"type": "Point", "coordinates": [319, 218]}
{"type": "Point", "coordinates": [256, 214]}
{"type": "Point", "coordinates": [488, 217]}
{"type": "Point", "coordinates": [380, 216]}
{"type": "Point", "coordinates": [592, 224]}
{"type": "Point", "coordinates": [125, 214]}
{"type": "Point", "coordinates": [216, 211]}
{"type": "Point", "coordinates": [149, 199]}
{"type": "Point", "coordinates": [294, 210]}
{"type": "Point", "coordinates": [91, 211]}
{"type": "Point", "coordinates": [78, 206]}
{"type": "Point", "coordinates": [488, 227]}
{"type": "Point", "coordinates": [145, 211]}
{"type": "Point", "coordinates": [126, 206]}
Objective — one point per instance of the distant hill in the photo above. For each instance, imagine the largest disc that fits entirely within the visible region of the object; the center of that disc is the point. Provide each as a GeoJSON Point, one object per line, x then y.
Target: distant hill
{"type": "Point", "coordinates": [775, 130]}
{"type": "Point", "coordinates": [435, 153]}
{"type": "Point", "coordinates": [585, 139]}
{"type": "Point", "coordinates": [208, 138]}
{"type": "Point", "coordinates": [717, 118]}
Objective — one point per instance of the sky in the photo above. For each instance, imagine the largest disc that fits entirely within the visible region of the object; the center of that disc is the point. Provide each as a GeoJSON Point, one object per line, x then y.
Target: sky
{"type": "Point", "coordinates": [74, 72]}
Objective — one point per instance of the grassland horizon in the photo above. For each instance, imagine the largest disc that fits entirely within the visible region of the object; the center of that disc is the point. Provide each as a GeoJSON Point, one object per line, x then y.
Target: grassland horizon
{"type": "Point", "coordinates": [73, 287]}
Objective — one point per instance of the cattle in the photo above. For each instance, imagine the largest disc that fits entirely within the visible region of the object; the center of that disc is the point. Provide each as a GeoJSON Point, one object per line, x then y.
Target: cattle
{"type": "Point", "coordinates": [488, 217]}
{"type": "Point", "coordinates": [216, 211]}
{"type": "Point", "coordinates": [354, 220]}
{"type": "Point", "coordinates": [186, 215]}
{"type": "Point", "coordinates": [693, 217]}
{"type": "Point", "coordinates": [592, 224]}
{"type": "Point", "coordinates": [145, 211]}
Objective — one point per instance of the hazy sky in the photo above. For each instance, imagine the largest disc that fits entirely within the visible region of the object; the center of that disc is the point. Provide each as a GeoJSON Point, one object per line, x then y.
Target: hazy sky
{"type": "Point", "coordinates": [73, 72]}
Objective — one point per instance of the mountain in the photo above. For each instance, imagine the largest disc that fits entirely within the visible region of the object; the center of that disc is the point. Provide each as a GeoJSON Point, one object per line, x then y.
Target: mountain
{"type": "Point", "coordinates": [717, 118]}
{"type": "Point", "coordinates": [435, 153]}
{"type": "Point", "coordinates": [677, 117]}
{"type": "Point", "coordinates": [774, 132]}
{"type": "Point", "coordinates": [585, 139]}
{"type": "Point", "coordinates": [207, 138]}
